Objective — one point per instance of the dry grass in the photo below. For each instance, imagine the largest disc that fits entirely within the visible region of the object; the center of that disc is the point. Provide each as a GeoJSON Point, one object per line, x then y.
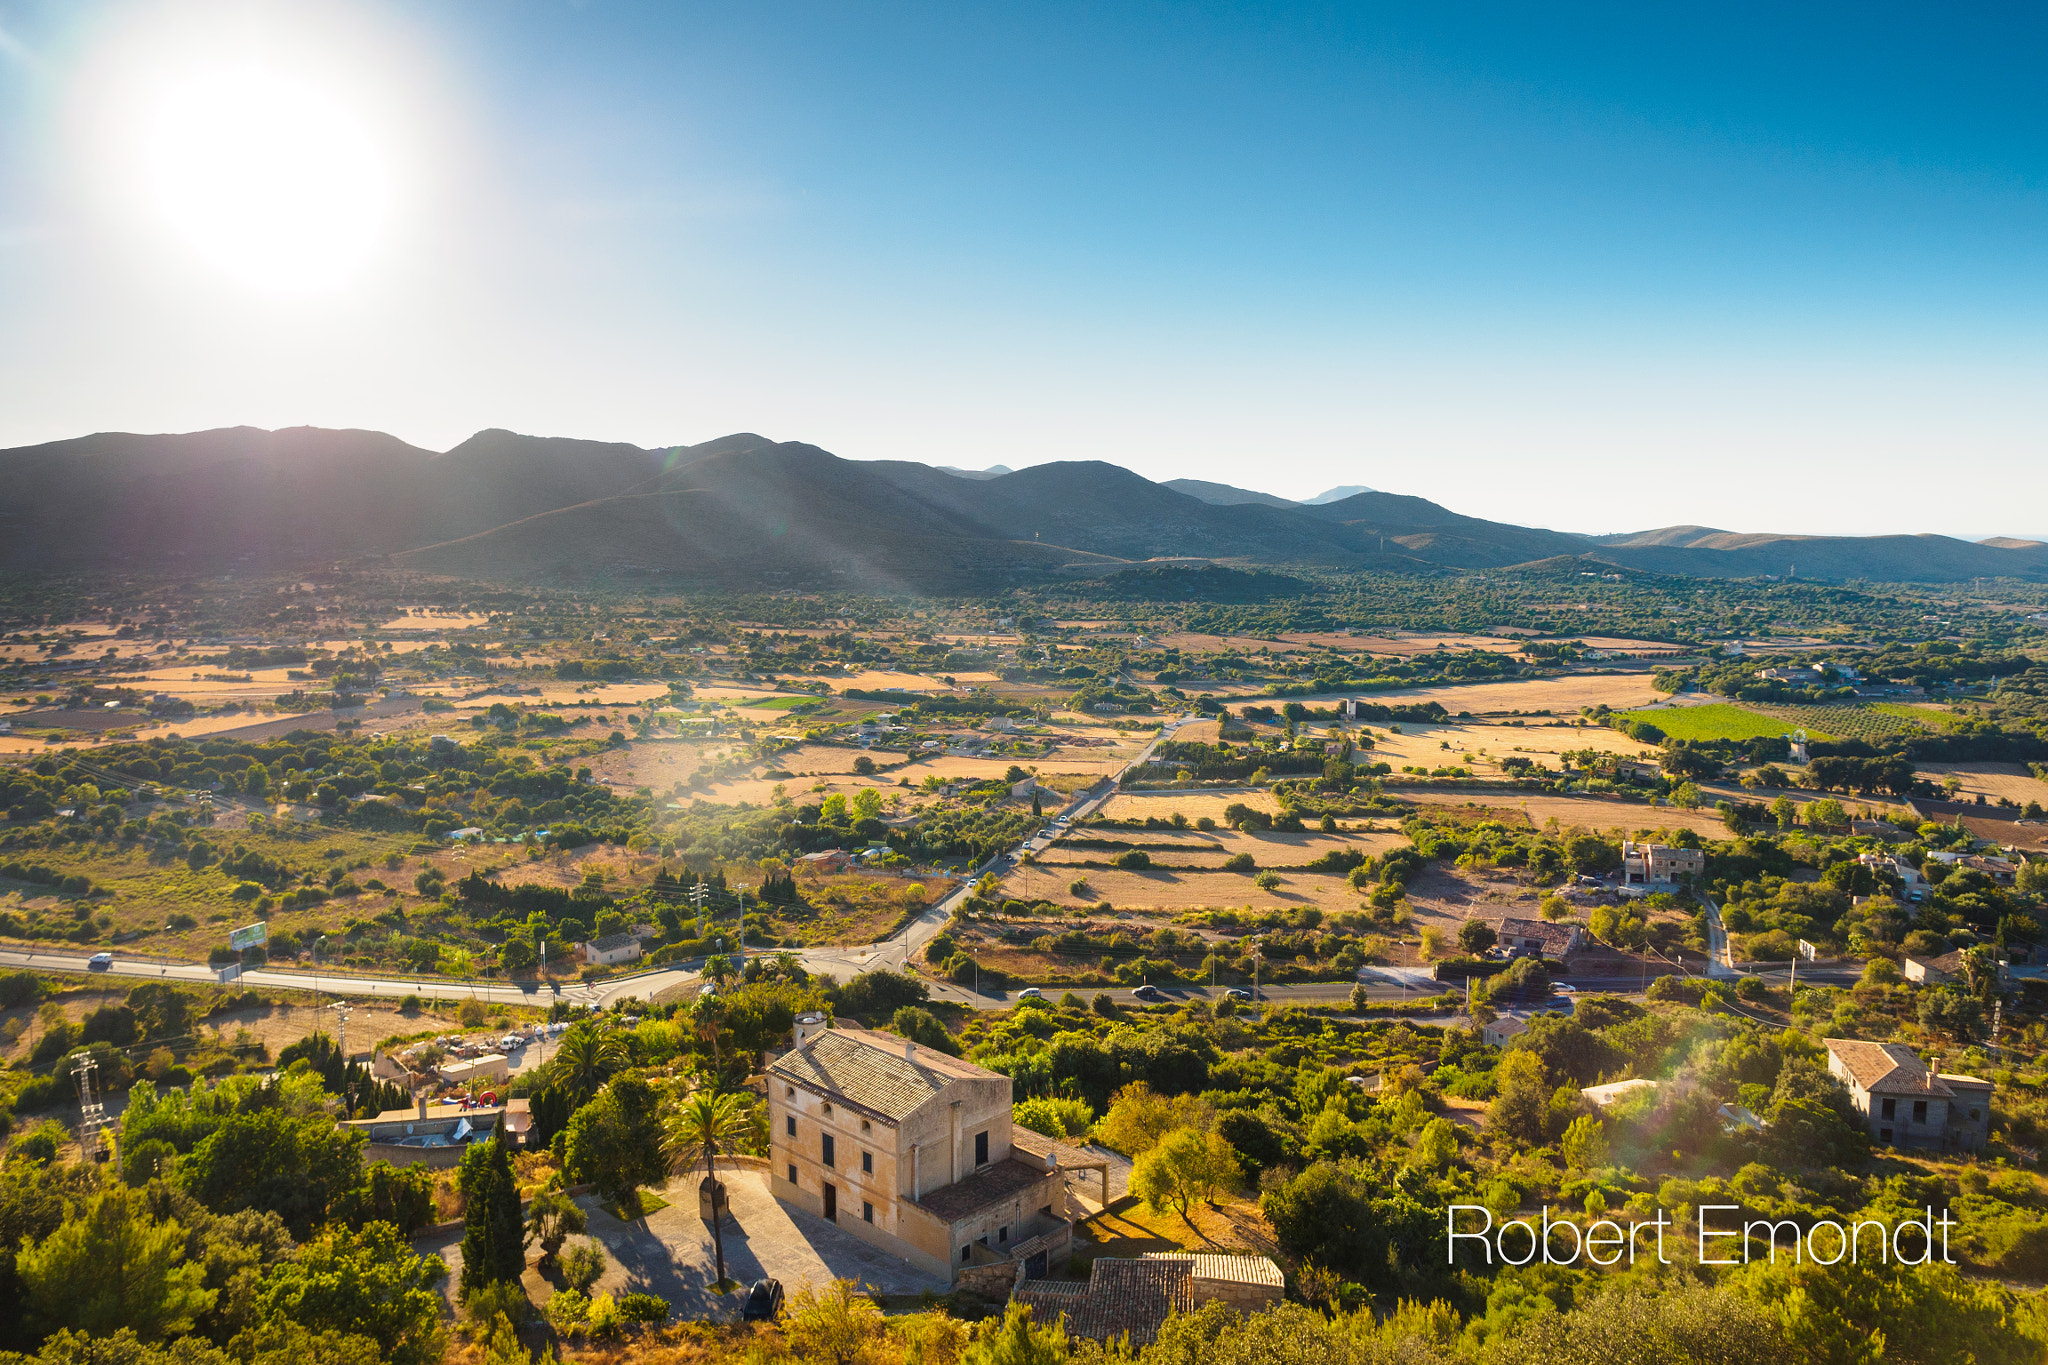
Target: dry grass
{"type": "Point", "coordinates": [1574, 812]}
{"type": "Point", "coordinates": [1128, 1230]}
{"type": "Point", "coordinates": [1194, 805]}
{"type": "Point", "coordinates": [429, 618]}
{"type": "Point", "coordinates": [2012, 781]}
{"type": "Point", "coordinates": [1423, 745]}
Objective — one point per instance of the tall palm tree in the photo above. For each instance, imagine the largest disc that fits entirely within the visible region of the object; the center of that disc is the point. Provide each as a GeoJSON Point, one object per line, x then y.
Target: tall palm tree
{"type": "Point", "coordinates": [701, 1125]}
{"type": "Point", "coordinates": [585, 1060]}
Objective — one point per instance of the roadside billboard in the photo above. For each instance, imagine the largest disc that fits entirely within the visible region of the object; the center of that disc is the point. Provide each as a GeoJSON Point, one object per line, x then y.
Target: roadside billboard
{"type": "Point", "coordinates": [249, 935]}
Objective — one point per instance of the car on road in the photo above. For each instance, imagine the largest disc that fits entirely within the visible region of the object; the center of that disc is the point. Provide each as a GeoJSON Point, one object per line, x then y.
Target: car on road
{"type": "Point", "coordinates": [1561, 986]}
{"type": "Point", "coordinates": [764, 1302]}
{"type": "Point", "coordinates": [512, 1042]}
{"type": "Point", "coordinates": [99, 962]}
{"type": "Point", "coordinates": [1237, 993]}
{"type": "Point", "coordinates": [1147, 993]}
{"type": "Point", "coordinates": [1031, 993]}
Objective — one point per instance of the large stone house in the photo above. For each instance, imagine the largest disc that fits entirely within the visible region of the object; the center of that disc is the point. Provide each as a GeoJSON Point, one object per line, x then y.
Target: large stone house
{"type": "Point", "coordinates": [912, 1150]}
{"type": "Point", "coordinates": [1905, 1104]}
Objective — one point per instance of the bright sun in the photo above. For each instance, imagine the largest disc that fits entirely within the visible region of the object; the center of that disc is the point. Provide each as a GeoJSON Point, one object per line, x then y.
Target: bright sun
{"type": "Point", "coordinates": [267, 178]}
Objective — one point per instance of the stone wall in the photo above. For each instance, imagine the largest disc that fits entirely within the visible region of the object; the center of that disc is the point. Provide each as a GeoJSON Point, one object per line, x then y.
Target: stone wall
{"type": "Point", "coordinates": [1248, 1298]}
{"type": "Point", "coordinates": [991, 1282]}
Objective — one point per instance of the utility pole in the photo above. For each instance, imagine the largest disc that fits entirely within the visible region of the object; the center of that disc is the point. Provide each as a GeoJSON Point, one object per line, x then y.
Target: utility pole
{"type": "Point", "coordinates": [91, 1114]}
{"type": "Point", "coordinates": [341, 1015]}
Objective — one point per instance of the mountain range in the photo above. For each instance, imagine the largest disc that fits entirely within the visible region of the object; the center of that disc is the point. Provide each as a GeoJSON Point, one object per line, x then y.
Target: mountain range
{"type": "Point", "coordinates": [744, 511]}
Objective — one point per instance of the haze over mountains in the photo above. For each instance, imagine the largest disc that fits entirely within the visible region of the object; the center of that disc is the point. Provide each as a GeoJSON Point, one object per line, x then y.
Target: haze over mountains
{"type": "Point", "coordinates": [745, 511]}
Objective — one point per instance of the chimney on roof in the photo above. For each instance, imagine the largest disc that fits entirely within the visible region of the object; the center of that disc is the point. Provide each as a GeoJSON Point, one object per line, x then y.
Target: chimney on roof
{"type": "Point", "coordinates": [808, 1026]}
{"type": "Point", "coordinates": [909, 1050]}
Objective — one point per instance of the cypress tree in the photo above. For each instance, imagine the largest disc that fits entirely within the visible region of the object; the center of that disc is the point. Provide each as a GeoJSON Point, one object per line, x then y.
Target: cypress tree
{"type": "Point", "coordinates": [493, 1238]}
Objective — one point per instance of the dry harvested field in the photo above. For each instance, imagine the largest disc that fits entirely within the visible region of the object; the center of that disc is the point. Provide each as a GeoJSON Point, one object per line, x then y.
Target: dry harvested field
{"type": "Point", "coordinates": [1209, 849]}
{"type": "Point", "coordinates": [1423, 744]}
{"type": "Point", "coordinates": [1449, 898]}
{"type": "Point", "coordinates": [553, 694]}
{"type": "Point", "coordinates": [1194, 805]}
{"type": "Point", "coordinates": [1559, 696]}
{"type": "Point", "coordinates": [1198, 642]}
{"type": "Point", "coordinates": [876, 678]}
{"type": "Point", "coordinates": [1573, 811]}
{"type": "Point", "coordinates": [1626, 646]}
{"type": "Point", "coordinates": [1165, 892]}
{"type": "Point", "coordinates": [432, 618]}
{"type": "Point", "coordinates": [1400, 644]}
{"type": "Point", "coordinates": [277, 1025]}
{"type": "Point", "coordinates": [2013, 781]}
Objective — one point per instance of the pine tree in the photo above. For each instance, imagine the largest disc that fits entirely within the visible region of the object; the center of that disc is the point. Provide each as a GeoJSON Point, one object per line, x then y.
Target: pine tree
{"type": "Point", "coordinates": [494, 1233]}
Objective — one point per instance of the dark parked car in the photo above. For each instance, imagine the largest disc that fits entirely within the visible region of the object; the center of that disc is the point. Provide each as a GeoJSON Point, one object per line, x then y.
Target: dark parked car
{"type": "Point", "coordinates": [764, 1302]}
{"type": "Point", "coordinates": [1147, 993]}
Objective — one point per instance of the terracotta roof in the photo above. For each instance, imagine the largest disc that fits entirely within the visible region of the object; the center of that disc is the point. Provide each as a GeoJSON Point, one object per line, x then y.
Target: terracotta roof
{"type": "Point", "coordinates": [1240, 1270]}
{"type": "Point", "coordinates": [1550, 935]}
{"type": "Point", "coordinates": [1052, 1151]}
{"type": "Point", "coordinates": [868, 1071]}
{"type": "Point", "coordinates": [974, 1192]}
{"type": "Point", "coordinates": [1888, 1067]}
{"type": "Point", "coordinates": [1121, 1297]}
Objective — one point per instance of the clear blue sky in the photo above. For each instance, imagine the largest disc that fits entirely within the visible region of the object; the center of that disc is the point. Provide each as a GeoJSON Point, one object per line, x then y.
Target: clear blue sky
{"type": "Point", "coordinates": [1599, 268]}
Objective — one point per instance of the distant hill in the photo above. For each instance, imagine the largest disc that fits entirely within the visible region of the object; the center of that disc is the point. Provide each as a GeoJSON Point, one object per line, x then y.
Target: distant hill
{"type": "Point", "coordinates": [745, 510]}
{"type": "Point", "coordinates": [1337, 494]}
{"type": "Point", "coordinates": [1222, 494]}
{"type": "Point", "coordinates": [994, 471]}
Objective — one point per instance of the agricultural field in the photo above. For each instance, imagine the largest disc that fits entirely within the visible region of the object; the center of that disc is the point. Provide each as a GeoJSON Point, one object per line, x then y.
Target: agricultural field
{"type": "Point", "coordinates": [1719, 720]}
{"type": "Point", "coordinates": [1423, 745]}
{"type": "Point", "coordinates": [1854, 721]}
{"type": "Point", "coordinates": [1559, 696]}
{"type": "Point", "coordinates": [1574, 812]}
{"type": "Point", "coordinates": [1934, 717]}
{"type": "Point", "coordinates": [1993, 781]}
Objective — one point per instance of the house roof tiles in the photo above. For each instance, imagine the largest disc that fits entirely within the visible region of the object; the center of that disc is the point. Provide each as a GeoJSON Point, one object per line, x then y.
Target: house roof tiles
{"type": "Point", "coordinates": [868, 1071]}
{"type": "Point", "coordinates": [978, 1190]}
{"type": "Point", "coordinates": [1121, 1296]}
{"type": "Point", "coordinates": [1889, 1068]}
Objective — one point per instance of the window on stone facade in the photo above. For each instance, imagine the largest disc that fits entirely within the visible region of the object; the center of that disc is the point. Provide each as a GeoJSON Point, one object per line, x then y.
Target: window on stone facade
{"type": "Point", "coordinates": [867, 1163]}
{"type": "Point", "coordinates": [1919, 1111]}
{"type": "Point", "coordinates": [791, 1121]}
{"type": "Point", "coordinates": [981, 1149]}
{"type": "Point", "coordinates": [867, 1213]}
{"type": "Point", "coordinates": [1884, 1135]}
{"type": "Point", "coordinates": [1002, 1234]}
{"type": "Point", "coordinates": [965, 1252]}
{"type": "Point", "coordinates": [828, 1151]}
{"type": "Point", "coordinates": [1889, 1109]}
{"type": "Point", "coordinates": [792, 1173]}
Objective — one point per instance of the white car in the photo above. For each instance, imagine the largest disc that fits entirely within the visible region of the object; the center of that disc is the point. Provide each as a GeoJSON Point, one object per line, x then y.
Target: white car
{"type": "Point", "coordinates": [1031, 993]}
{"type": "Point", "coordinates": [99, 962]}
{"type": "Point", "coordinates": [1563, 989]}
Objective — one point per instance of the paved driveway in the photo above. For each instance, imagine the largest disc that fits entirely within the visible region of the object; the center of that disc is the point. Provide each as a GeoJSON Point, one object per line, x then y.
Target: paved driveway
{"type": "Point", "coordinates": [669, 1252]}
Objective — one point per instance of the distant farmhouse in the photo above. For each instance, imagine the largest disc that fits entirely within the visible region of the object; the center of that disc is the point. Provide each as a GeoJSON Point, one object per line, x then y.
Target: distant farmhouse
{"type": "Point", "coordinates": [1657, 867]}
{"type": "Point", "coordinates": [1905, 1104]}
